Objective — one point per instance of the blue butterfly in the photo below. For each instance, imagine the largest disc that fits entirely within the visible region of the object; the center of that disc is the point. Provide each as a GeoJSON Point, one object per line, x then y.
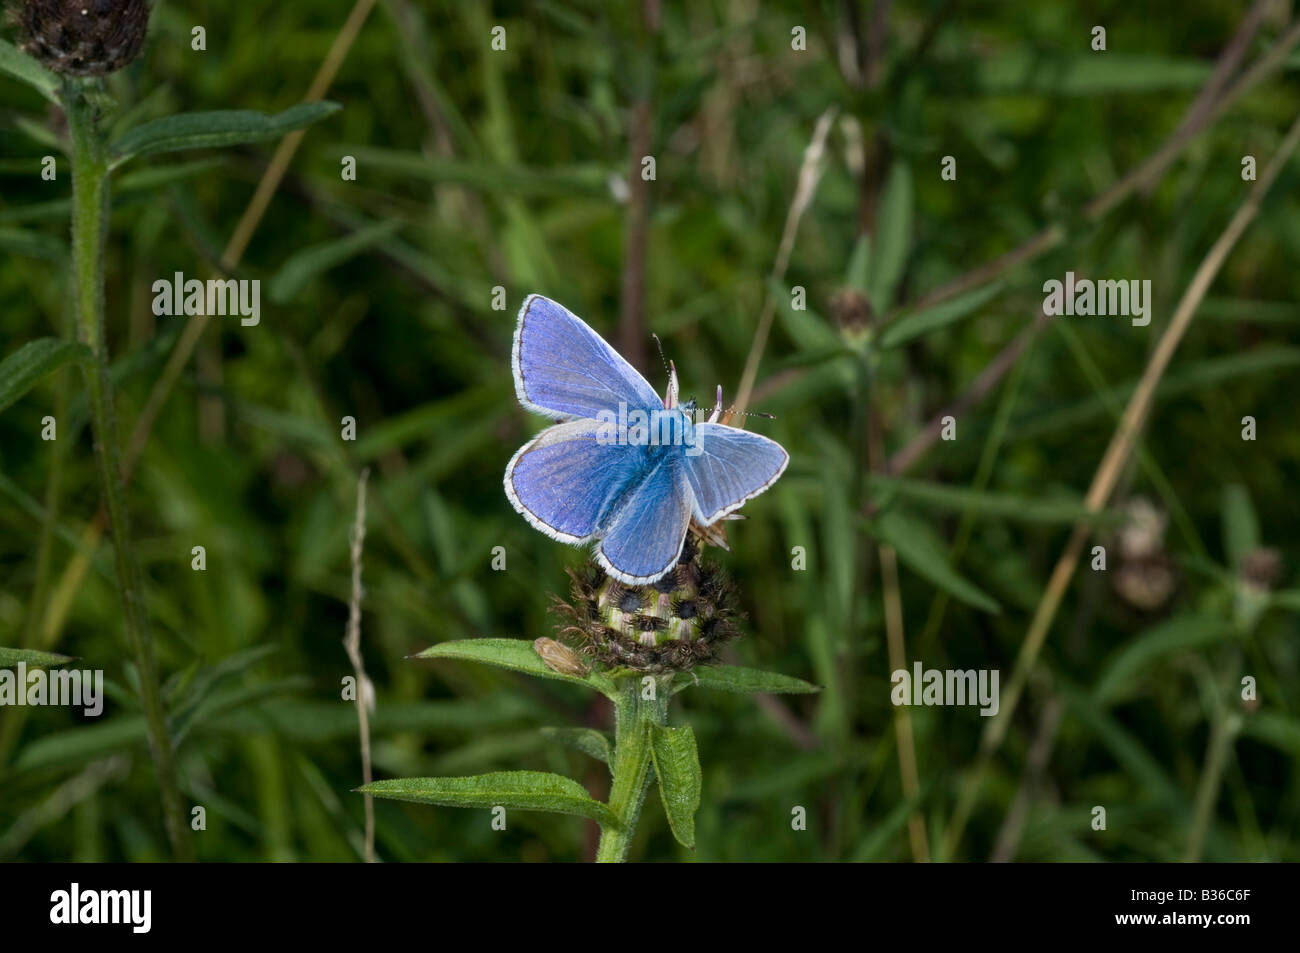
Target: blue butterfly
{"type": "Point", "coordinates": [622, 467]}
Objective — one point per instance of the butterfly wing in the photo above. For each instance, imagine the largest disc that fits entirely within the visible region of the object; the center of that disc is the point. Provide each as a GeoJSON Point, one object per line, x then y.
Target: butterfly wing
{"type": "Point", "coordinates": [732, 466]}
{"type": "Point", "coordinates": [564, 481]}
{"type": "Point", "coordinates": [644, 540]}
{"type": "Point", "coordinates": [565, 369]}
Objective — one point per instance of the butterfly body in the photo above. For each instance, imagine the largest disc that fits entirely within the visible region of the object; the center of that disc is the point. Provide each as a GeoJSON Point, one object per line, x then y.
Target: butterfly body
{"type": "Point", "coordinates": [621, 467]}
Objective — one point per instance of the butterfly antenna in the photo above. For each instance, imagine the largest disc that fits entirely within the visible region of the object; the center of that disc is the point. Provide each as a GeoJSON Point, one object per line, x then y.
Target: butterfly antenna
{"type": "Point", "coordinates": [659, 344]}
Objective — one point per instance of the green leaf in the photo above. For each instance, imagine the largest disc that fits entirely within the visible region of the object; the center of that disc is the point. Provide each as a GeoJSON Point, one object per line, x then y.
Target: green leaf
{"type": "Point", "coordinates": [21, 370]}
{"type": "Point", "coordinates": [21, 66]}
{"type": "Point", "coordinates": [78, 745]}
{"type": "Point", "coordinates": [209, 130]}
{"type": "Point", "coordinates": [1180, 634]}
{"type": "Point", "coordinates": [1008, 505]}
{"type": "Point", "coordinates": [677, 763]}
{"type": "Point", "coordinates": [913, 325]}
{"type": "Point", "coordinates": [573, 181]}
{"type": "Point", "coordinates": [745, 681]}
{"type": "Point", "coordinates": [1274, 728]}
{"type": "Point", "coordinates": [875, 843]}
{"type": "Point", "coordinates": [893, 236]}
{"type": "Point", "coordinates": [858, 274]}
{"type": "Point", "coordinates": [525, 790]}
{"type": "Point", "coordinates": [32, 658]}
{"type": "Point", "coordinates": [515, 654]}
{"type": "Point", "coordinates": [806, 327]}
{"type": "Point", "coordinates": [305, 265]}
{"type": "Point", "coordinates": [587, 740]}
{"type": "Point", "coordinates": [1240, 524]}
{"type": "Point", "coordinates": [19, 241]}
{"type": "Point", "coordinates": [921, 551]}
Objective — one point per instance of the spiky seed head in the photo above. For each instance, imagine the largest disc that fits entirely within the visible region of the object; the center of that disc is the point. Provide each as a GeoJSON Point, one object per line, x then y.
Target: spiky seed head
{"type": "Point", "coordinates": [669, 626]}
{"type": "Point", "coordinates": [82, 37]}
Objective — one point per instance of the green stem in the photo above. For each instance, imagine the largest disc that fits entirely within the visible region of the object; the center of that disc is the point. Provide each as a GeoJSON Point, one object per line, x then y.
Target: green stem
{"type": "Point", "coordinates": [89, 225]}
{"type": "Point", "coordinates": [633, 717]}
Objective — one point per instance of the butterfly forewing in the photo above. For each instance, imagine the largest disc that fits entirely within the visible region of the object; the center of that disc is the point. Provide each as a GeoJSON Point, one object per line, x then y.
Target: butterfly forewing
{"type": "Point", "coordinates": [565, 369]}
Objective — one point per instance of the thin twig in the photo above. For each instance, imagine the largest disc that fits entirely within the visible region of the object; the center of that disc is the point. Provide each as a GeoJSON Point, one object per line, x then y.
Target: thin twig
{"type": "Point", "coordinates": [1223, 733]}
{"type": "Point", "coordinates": [810, 173]}
{"type": "Point", "coordinates": [632, 324]}
{"type": "Point", "coordinates": [902, 716]}
{"type": "Point", "coordinates": [352, 642]}
{"type": "Point", "coordinates": [1226, 65]}
{"type": "Point", "coordinates": [1108, 472]}
{"type": "Point", "coordinates": [1013, 826]}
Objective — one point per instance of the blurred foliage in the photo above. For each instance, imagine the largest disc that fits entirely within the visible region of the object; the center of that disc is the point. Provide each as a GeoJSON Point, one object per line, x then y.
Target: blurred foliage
{"type": "Point", "coordinates": [477, 169]}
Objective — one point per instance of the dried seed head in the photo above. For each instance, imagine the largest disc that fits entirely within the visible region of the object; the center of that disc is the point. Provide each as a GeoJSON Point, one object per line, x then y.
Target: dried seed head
{"type": "Point", "coordinates": [1260, 568]}
{"type": "Point", "coordinates": [852, 311]}
{"type": "Point", "coordinates": [672, 625]}
{"type": "Point", "coordinates": [1143, 533]}
{"type": "Point", "coordinates": [560, 658]}
{"type": "Point", "coordinates": [83, 37]}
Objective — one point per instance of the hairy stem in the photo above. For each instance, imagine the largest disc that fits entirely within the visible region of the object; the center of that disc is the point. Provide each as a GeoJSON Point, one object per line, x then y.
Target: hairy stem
{"type": "Point", "coordinates": [633, 718]}
{"type": "Point", "coordinates": [89, 225]}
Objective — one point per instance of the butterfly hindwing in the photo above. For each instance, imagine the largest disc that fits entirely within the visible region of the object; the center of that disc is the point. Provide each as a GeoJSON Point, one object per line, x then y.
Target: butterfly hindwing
{"type": "Point", "coordinates": [565, 369]}
{"type": "Point", "coordinates": [645, 537]}
{"type": "Point", "coordinates": [732, 466]}
{"type": "Point", "coordinates": [564, 480]}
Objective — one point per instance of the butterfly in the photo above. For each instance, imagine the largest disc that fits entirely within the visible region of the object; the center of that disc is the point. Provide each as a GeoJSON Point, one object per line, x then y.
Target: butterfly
{"type": "Point", "coordinates": [623, 468]}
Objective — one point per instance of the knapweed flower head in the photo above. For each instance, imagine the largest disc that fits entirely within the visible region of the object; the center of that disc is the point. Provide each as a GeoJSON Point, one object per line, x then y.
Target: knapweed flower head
{"type": "Point", "coordinates": [671, 625]}
{"type": "Point", "coordinates": [82, 37]}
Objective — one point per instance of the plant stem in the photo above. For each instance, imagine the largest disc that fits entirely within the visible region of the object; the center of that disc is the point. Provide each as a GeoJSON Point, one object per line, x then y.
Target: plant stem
{"type": "Point", "coordinates": [1223, 732]}
{"type": "Point", "coordinates": [633, 718]}
{"type": "Point", "coordinates": [89, 225]}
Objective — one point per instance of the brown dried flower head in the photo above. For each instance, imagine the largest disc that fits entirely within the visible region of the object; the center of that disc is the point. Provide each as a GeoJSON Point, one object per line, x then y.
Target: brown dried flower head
{"type": "Point", "coordinates": [670, 626]}
{"type": "Point", "coordinates": [83, 37]}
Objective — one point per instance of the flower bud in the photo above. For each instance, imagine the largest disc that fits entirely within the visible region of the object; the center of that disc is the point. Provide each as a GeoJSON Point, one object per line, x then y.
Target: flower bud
{"type": "Point", "coordinates": [83, 37]}
{"type": "Point", "coordinates": [669, 626]}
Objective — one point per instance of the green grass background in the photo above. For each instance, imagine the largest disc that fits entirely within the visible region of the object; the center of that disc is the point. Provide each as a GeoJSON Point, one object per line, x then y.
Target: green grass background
{"type": "Point", "coordinates": [479, 169]}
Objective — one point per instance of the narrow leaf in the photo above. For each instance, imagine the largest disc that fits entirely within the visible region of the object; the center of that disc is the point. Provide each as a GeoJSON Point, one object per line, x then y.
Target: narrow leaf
{"type": "Point", "coordinates": [515, 654]}
{"type": "Point", "coordinates": [296, 273]}
{"type": "Point", "coordinates": [587, 740]}
{"type": "Point", "coordinates": [1008, 505]}
{"type": "Point", "coordinates": [745, 681]}
{"type": "Point", "coordinates": [21, 370]}
{"type": "Point", "coordinates": [1183, 633]}
{"type": "Point", "coordinates": [524, 790]}
{"type": "Point", "coordinates": [208, 130]}
{"type": "Point", "coordinates": [677, 763]}
{"type": "Point", "coordinates": [918, 548]}
{"type": "Point", "coordinates": [34, 659]}
{"type": "Point", "coordinates": [21, 66]}
{"type": "Point", "coordinates": [893, 236]}
{"type": "Point", "coordinates": [19, 241]}
{"type": "Point", "coordinates": [858, 275]}
{"type": "Point", "coordinates": [1240, 524]}
{"type": "Point", "coordinates": [917, 323]}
